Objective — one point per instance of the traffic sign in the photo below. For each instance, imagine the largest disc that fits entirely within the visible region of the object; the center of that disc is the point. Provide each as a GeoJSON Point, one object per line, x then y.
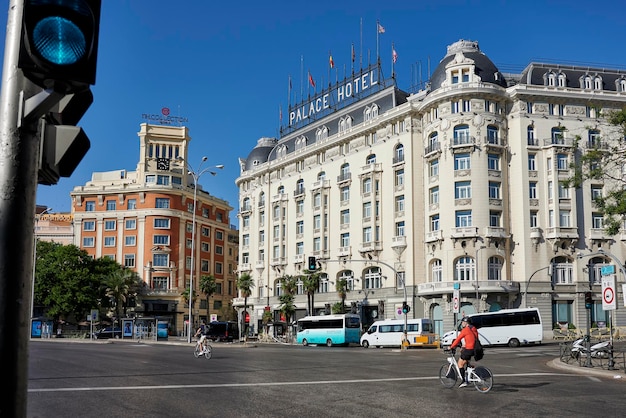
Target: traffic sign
{"type": "Point", "coordinates": [608, 293]}
{"type": "Point", "coordinates": [455, 301]}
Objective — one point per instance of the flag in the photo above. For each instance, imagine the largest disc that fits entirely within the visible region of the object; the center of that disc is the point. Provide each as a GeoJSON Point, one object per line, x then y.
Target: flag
{"type": "Point", "coordinates": [394, 55]}
{"type": "Point", "coordinates": [311, 81]}
{"type": "Point", "coordinates": [381, 29]}
{"type": "Point", "coordinates": [330, 61]}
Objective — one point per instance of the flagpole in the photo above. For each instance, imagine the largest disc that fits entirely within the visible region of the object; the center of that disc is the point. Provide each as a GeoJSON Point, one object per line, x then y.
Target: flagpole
{"type": "Point", "coordinates": [393, 60]}
{"type": "Point", "coordinates": [301, 78]}
{"type": "Point", "coordinates": [377, 39]}
{"type": "Point", "coordinates": [361, 47]}
{"type": "Point", "coordinates": [330, 65]}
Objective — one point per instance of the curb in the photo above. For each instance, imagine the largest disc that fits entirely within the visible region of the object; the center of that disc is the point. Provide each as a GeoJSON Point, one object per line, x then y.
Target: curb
{"type": "Point", "coordinates": [588, 371]}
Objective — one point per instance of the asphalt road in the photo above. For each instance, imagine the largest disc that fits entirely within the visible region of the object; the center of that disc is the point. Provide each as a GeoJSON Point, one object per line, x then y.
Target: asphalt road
{"type": "Point", "coordinates": [126, 379]}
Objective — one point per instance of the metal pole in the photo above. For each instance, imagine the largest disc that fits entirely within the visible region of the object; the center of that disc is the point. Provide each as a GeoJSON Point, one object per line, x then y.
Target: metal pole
{"type": "Point", "coordinates": [19, 154]}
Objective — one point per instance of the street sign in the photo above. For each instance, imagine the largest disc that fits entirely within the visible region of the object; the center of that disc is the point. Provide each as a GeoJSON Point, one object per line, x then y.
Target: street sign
{"type": "Point", "coordinates": [455, 301]}
{"type": "Point", "coordinates": [609, 302]}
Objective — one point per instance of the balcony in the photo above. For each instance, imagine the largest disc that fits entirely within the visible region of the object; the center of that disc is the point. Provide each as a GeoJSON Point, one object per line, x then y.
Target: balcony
{"type": "Point", "coordinates": [344, 251]}
{"type": "Point", "coordinates": [563, 142]}
{"type": "Point", "coordinates": [495, 232]}
{"type": "Point", "coordinates": [432, 148]}
{"type": "Point", "coordinates": [463, 141]}
{"type": "Point", "coordinates": [245, 267]}
{"type": "Point", "coordinates": [561, 233]}
{"type": "Point", "coordinates": [321, 184]}
{"type": "Point", "coordinates": [344, 177]}
{"type": "Point", "coordinates": [299, 192]}
{"type": "Point", "coordinates": [398, 242]}
{"type": "Point", "coordinates": [371, 168]}
{"type": "Point", "coordinates": [298, 258]}
{"type": "Point", "coordinates": [433, 236]}
{"type": "Point", "coordinates": [598, 234]}
{"type": "Point", "coordinates": [468, 288]}
{"type": "Point", "coordinates": [464, 232]}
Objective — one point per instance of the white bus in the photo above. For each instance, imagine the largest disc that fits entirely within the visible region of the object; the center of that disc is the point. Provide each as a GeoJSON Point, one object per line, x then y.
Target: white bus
{"type": "Point", "coordinates": [390, 333]}
{"type": "Point", "coordinates": [511, 327]}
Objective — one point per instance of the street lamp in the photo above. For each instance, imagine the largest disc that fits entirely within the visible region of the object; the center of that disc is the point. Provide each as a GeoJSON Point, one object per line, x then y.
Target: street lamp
{"type": "Point", "coordinates": [195, 174]}
{"type": "Point", "coordinates": [477, 276]}
{"type": "Point", "coordinates": [32, 288]}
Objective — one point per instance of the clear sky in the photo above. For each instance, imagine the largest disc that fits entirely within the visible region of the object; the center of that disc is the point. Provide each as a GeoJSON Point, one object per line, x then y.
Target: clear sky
{"type": "Point", "coordinates": [225, 66]}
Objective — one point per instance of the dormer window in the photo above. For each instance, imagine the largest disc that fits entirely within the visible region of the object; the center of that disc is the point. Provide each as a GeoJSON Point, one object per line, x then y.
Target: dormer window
{"type": "Point", "coordinates": [597, 83]}
{"type": "Point", "coordinates": [562, 80]}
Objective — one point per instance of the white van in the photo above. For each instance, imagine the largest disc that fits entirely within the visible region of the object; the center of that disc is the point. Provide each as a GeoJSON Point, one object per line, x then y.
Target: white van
{"type": "Point", "coordinates": [390, 332]}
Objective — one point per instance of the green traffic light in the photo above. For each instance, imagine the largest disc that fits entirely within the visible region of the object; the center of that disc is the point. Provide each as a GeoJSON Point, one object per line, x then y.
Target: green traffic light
{"type": "Point", "coordinates": [59, 40]}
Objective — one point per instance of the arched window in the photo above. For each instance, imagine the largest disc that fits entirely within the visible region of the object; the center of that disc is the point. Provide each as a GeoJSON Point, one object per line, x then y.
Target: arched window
{"type": "Point", "coordinates": [550, 79]}
{"type": "Point", "coordinates": [372, 278]}
{"type": "Point", "coordinates": [281, 189]}
{"type": "Point", "coordinates": [594, 138]}
{"type": "Point", "coordinates": [300, 142]}
{"type": "Point", "coordinates": [433, 142]}
{"type": "Point", "coordinates": [321, 175]}
{"type": "Point", "coordinates": [281, 151]}
{"type": "Point", "coordinates": [461, 134]}
{"type": "Point", "coordinates": [262, 199]}
{"type": "Point", "coordinates": [324, 283]}
{"type": "Point", "coordinates": [436, 271]}
{"type": "Point", "coordinates": [348, 276]}
{"type": "Point", "coordinates": [562, 80]}
{"type": "Point", "coordinates": [246, 204]}
{"type": "Point", "coordinates": [465, 269]}
{"type": "Point", "coordinates": [597, 83]}
{"type": "Point", "coordinates": [494, 268]}
{"type": "Point", "coordinates": [398, 154]}
{"type": "Point", "coordinates": [530, 135]}
{"type": "Point", "coordinates": [562, 271]}
{"type": "Point", "coordinates": [371, 159]}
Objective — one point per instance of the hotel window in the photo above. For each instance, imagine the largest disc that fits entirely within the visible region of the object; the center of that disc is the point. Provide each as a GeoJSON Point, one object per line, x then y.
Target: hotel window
{"type": "Point", "coordinates": [130, 223]}
{"type": "Point", "coordinates": [88, 241]}
{"type": "Point", "coordinates": [400, 229]}
{"type": "Point", "coordinates": [276, 212]}
{"type": "Point", "coordinates": [529, 107]}
{"type": "Point", "coordinates": [367, 211]}
{"type": "Point", "coordinates": [345, 217]}
{"type": "Point", "coordinates": [317, 200]}
{"type": "Point", "coordinates": [494, 190]}
{"type": "Point", "coordinates": [245, 240]}
{"type": "Point", "coordinates": [493, 162]}
{"type": "Point", "coordinates": [111, 205]}
{"type": "Point", "coordinates": [299, 248]}
{"type": "Point", "coordinates": [532, 162]}
{"type": "Point", "coordinates": [367, 234]}
{"type": "Point", "coordinates": [129, 260]}
{"type": "Point", "coordinates": [345, 239]}
{"type": "Point", "coordinates": [130, 240]}
{"type": "Point", "coordinates": [433, 168]}
{"type": "Point", "coordinates": [205, 231]}
{"type": "Point", "coordinates": [433, 142]}
{"type": "Point", "coordinates": [204, 266]}
{"type": "Point", "coordinates": [206, 212]}
{"type": "Point", "coordinates": [562, 162]}
{"type": "Point", "coordinates": [399, 178]}
{"type": "Point", "coordinates": [563, 191]}
{"type": "Point", "coordinates": [300, 207]}
{"type": "Point", "coordinates": [162, 223]}
{"type": "Point", "coordinates": [436, 271]}
{"type": "Point", "coordinates": [462, 190]}
{"type": "Point", "coordinates": [317, 222]}
{"type": "Point", "coordinates": [461, 134]}
{"type": "Point", "coordinates": [434, 223]}
{"type": "Point", "coordinates": [109, 241]}
{"type": "Point", "coordinates": [367, 186]}
{"type": "Point", "coordinates": [463, 218]}
{"type": "Point", "coordinates": [204, 247]}
{"type": "Point", "coordinates": [596, 191]}
{"type": "Point", "coordinates": [597, 221]}
{"type": "Point", "coordinates": [562, 80]}
{"type": "Point", "coordinates": [495, 218]}
{"type": "Point", "coordinates": [132, 204]}
{"type": "Point", "coordinates": [462, 161]}
{"type": "Point", "coordinates": [564, 218]}
{"type": "Point", "coordinates": [399, 153]}
{"type": "Point", "coordinates": [90, 206]}
{"type": "Point", "coordinates": [300, 227]}
{"type": "Point", "coordinates": [492, 135]}
{"type": "Point", "coordinates": [433, 195]}
{"type": "Point", "coordinates": [162, 203]}
{"type": "Point", "coordinates": [219, 250]}
{"type": "Point", "coordinates": [245, 221]}
{"type": "Point", "coordinates": [89, 226]}
{"type": "Point", "coordinates": [109, 225]}
{"type": "Point", "coordinates": [494, 268]}
{"type": "Point", "coordinates": [399, 204]}
{"type": "Point", "coordinates": [530, 135]}
{"type": "Point", "coordinates": [533, 219]}
{"type": "Point", "coordinates": [464, 269]}
{"type": "Point", "coordinates": [345, 194]}
{"type": "Point", "coordinates": [317, 244]}
{"type": "Point", "coordinates": [532, 190]}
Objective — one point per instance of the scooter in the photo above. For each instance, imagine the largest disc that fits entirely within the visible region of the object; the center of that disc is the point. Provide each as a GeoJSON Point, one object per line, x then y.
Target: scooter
{"type": "Point", "coordinates": [598, 350]}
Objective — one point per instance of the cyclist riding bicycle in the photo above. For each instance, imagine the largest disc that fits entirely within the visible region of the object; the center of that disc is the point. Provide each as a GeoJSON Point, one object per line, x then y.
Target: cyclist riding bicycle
{"type": "Point", "coordinates": [467, 337]}
{"type": "Point", "coordinates": [201, 331]}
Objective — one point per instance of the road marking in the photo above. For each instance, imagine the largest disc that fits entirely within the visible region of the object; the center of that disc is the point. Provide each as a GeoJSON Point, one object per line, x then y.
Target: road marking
{"type": "Point", "coordinates": [262, 384]}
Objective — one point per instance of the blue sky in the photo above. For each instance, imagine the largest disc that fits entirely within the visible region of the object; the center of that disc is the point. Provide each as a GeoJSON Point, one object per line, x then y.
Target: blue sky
{"type": "Point", "coordinates": [225, 66]}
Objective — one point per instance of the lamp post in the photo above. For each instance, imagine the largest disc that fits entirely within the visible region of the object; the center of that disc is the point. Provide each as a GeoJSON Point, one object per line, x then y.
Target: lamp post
{"type": "Point", "coordinates": [32, 288]}
{"type": "Point", "coordinates": [477, 276]}
{"type": "Point", "coordinates": [195, 174]}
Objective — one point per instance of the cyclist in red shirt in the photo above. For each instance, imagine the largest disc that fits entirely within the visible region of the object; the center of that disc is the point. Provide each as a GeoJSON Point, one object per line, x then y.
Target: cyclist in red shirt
{"type": "Point", "coordinates": [467, 336]}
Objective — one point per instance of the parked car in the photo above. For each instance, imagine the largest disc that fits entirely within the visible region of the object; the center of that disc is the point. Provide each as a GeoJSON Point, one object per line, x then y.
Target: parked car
{"type": "Point", "coordinates": [223, 331]}
{"type": "Point", "coordinates": [106, 333]}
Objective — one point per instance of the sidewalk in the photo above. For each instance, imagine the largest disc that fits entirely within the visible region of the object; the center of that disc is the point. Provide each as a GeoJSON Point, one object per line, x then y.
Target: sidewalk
{"type": "Point", "coordinates": [588, 371]}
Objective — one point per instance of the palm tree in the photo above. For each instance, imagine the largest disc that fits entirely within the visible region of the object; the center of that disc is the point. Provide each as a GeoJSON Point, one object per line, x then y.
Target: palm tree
{"type": "Point", "coordinates": [245, 285]}
{"type": "Point", "coordinates": [311, 284]}
{"type": "Point", "coordinates": [342, 291]}
{"type": "Point", "coordinates": [208, 286]}
{"type": "Point", "coordinates": [122, 284]}
{"type": "Point", "coordinates": [289, 286]}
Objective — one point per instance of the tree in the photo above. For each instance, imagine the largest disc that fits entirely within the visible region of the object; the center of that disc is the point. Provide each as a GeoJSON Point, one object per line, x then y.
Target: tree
{"type": "Point", "coordinates": [119, 287]}
{"type": "Point", "coordinates": [65, 281]}
{"type": "Point", "coordinates": [603, 160]}
{"type": "Point", "coordinates": [245, 285]}
{"type": "Point", "coordinates": [289, 286]}
{"type": "Point", "coordinates": [208, 286]}
{"type": "Point", "coordinates": [311, 281]}
{"type": "Point", "coordinates": [342, 291]}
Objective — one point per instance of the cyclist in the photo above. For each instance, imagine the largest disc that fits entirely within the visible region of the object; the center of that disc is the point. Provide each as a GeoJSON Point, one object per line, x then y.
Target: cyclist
{"type": "Point", "coordinates": [467, 337]}
{"type": "Point", "coordinates": [201, 331]}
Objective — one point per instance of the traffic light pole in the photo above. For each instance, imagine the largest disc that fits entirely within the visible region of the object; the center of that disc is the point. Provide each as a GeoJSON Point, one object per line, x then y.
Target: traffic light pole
{"type": "Point", "coordinates": [19, 152]}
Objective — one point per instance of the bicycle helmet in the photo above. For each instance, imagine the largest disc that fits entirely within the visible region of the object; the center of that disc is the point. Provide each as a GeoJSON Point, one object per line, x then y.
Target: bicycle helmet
{"type": "Point", "coordinates": [466, 319]}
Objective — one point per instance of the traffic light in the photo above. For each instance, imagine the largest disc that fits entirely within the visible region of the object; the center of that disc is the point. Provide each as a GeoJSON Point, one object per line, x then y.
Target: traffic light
{"type": "Point", "coordinates": [58, 53]}
{"type": "Point", "coordinates": [405, 308]}
{"type": "Point", "coordinates": [59, 43]}
{"type": "Point", "coordinates": [312, 263]}
{"type": "Point", "coordinates": [588, 300]}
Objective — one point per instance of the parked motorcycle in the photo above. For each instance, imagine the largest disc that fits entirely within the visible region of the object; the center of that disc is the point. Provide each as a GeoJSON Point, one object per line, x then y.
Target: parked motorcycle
{"type": "Point", "coordinates": [598, 350]}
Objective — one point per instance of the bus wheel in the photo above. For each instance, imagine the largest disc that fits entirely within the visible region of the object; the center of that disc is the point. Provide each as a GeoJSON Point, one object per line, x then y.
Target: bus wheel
{"type": "Point", "coordinates": [513, 342]}
{"type": "Point", "coordinates": [305, 342]}
{"type": "Point", "coordinates": [365, 344]}
{"type": "Point", "coordinates": [329, 343]}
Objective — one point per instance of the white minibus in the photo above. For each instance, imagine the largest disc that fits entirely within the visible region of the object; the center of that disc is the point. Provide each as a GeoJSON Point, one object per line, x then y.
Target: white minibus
{"type": "Point", "coordinates": [390, 333]}
{"type": "Point", "coordinates": [511, 327]}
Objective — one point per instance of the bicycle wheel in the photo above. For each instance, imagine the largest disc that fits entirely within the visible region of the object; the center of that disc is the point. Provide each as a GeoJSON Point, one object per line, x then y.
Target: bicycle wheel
{"type": "Point", "coordinates": [208, 352]}
{"type": "Point", "coordinates": [447, 375]}
{"type": "Point", "coordinates": [196, 352]}
{"type": "Point", "coordinates": [484, 379]}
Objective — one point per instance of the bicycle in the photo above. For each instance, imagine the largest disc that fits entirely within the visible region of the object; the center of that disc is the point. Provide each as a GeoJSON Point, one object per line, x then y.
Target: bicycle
{"type": "Point", "coordinates": [480, 376]}
{"type": "Point", "coordinates": [203, 349]}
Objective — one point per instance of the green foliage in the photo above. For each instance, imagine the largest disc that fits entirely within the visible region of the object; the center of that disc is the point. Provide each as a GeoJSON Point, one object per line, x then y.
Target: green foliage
{"type": "Point", "coordinates": [208, 286]}
{"type": "Point", "coordinates": [342, 291]}
{"type": "Point", "coordinates": [245, 283]}
{"type": "Point", "coordinates": [337, 308]}
{"type": "Point", "coordinates": [289, 286]}
{"type": "Point", "coordinates": [602, 162]}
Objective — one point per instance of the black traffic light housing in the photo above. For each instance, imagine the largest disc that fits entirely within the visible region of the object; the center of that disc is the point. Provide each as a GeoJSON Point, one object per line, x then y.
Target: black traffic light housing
{"type": "Point", "coordinates": [405, 308]}
{"type": "Point", "coordinates": [588, 300]}
{"type": "Point", "coordinates": [312, 265]}
{"type": "Point", "coordinates": [59, 43]}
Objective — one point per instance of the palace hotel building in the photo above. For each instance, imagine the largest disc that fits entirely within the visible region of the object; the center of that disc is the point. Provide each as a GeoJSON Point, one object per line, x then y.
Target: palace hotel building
{"type": "Point", "coordinates": [410, 196]}
{"type": "Point", "coordinates": [144, 220]}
